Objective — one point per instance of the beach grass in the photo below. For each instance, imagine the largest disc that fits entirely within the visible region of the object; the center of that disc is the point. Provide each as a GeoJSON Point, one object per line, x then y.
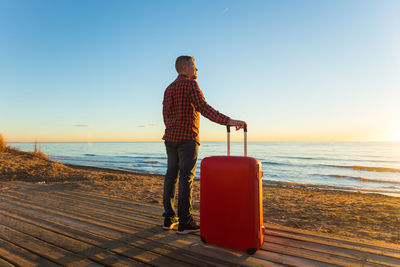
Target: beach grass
{"type": "Point", "coordinates": [36, 152]}
{"type": "Point", "coordinates": [3, 144]}
{"type": "Point", "coordinates": [345, 214]}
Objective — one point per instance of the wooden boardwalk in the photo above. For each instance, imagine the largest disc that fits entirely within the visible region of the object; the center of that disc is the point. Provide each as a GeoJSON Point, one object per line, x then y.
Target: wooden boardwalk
{"type": "Point", "coordinates": [53, 225]}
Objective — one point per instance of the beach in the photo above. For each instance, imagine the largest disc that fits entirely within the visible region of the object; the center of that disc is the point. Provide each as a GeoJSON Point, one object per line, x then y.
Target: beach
{"type": "Point", "coordinates": [366, 166]}
{"type": "Point", "coordinates": [347, 214]}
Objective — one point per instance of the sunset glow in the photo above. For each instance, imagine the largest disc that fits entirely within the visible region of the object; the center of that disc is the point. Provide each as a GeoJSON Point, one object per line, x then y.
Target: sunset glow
{"type": "Point", "coordinates": [395, 135]}
{"type": "Point", "coordinates": [96, 71]}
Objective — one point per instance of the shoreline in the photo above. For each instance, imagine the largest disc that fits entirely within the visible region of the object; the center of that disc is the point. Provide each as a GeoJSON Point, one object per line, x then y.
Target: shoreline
{"type": "Point", "coordinates": [391, 193]}
{"type": "Point", "coordinates": [306, 168]}
{"type": "Point", "coordinates": [347, 214]}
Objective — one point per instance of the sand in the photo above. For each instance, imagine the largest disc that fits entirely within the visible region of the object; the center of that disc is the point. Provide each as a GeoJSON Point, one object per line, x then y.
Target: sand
{"type": "Point", "coordinates": [347, 214]}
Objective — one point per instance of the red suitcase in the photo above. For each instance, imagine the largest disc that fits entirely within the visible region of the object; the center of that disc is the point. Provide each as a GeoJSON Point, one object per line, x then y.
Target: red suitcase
{"type": "Point", "coordinates": [231, 201]}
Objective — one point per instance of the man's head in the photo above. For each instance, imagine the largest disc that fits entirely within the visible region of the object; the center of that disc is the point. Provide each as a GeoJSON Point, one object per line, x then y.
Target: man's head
{"type": "Point", "coordinates": [185, 65]}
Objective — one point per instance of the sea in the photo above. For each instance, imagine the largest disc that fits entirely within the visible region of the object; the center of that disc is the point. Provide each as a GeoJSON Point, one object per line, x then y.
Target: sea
{"type": "Point", "coordinates": [369, 167]}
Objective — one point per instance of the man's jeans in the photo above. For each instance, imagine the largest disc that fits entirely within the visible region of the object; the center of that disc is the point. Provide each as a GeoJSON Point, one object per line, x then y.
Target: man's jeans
{"type": "Point", "coordinates": [182, 159]}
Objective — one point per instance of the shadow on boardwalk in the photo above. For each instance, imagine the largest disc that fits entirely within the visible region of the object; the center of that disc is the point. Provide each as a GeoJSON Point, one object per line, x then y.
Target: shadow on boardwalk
{"type": "Point", "coordinates": [52, 225]}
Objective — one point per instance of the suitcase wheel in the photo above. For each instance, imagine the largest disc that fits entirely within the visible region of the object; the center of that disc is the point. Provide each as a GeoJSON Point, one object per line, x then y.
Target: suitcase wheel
{"type": "Point", "coordinates": [251, 251]}
{"type": "Point", "coordinates": [202, 239]}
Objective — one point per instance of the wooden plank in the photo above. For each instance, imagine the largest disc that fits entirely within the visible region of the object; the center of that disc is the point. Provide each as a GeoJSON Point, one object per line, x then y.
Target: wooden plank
{"type": "Point", "coordinates": [44, 188]}
{"type": "Point", "coordinates": [308, 254]}
{"type": "Point", "coordinates": [334, 242]}
{"type": "Point", "coordinates": [60, 218]}
{"type": "Point", "coordinates": [93, 252]}
{"type": "Point", "coordinates": [130, 215]}
{"type": "Point", "coordinates": [42, 248]}
{"type": "Point", "coordinates": [290, 260]}
{"type": "Point", "coordinates": [108, 200]}
{"type": "Point", "coordinates": [267, 256]}
{"type": "Point", "coordinates": [4, 263]}
{"type": "Point", "coordinates": [103, 205]}
{"type": "Point", "coordinates": [21, 257]}
{"type": "Point", "coordinates": [156, 209]}
{"type": "Point", "coordinates": [47, 222]}
{"type": "Point", "coordinates": [132, 218]}
{"type": "Point", "coordinates": [282, 258]}
{"type": "Point", "coordinates": [335, 251]}
{"type": "Point", "coordinates": [150, 245]}
{"type": "Point", "coordinates": [188, 246]}
{"type": "Point", "coordinates": [334, 259]}
{"type": "Point", "coordinates": [113, 220]}
{"type": "Point", "coordinates": [109, 203]}
{"type": "Point", "coordinates": [328, 257]}
{"type": "Point", "coordinates": [359, 242]}
{"type": "Point", "coordinates": [373, 258]}
{"type": "Point", "coordinates": [242, 259]}
{"type": "Point", "coordinates": [47, 244]}
{"type": "Point", "coordinates": [122, 212]}
{"type": "Point", "coordinates": [194, 256]}
{"type": "Point", "coordinates": [120, 215]}
{"type": "Point", "coordinates": [298, 260]}
{"type": "Point", "coordinates": [73, 204]}
{"type": "Point", "coordinates": [81, 215]}
{"type": "Point", "coordinates": [138, 211]}
{"type": "Point", "coordinates": [192, 259]}
{"type": "Point", "coordinates": [160, 228]}
{"type": "Point", "coordinates": [312, 255]}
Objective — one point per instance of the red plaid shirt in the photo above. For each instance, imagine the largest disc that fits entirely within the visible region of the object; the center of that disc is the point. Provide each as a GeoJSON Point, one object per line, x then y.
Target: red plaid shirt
{"type": "Point", "coordinates": [183, 100]}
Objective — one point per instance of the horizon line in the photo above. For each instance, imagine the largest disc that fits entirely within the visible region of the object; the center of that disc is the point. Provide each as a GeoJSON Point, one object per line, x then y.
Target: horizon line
{"type": "Point", "coordinates": [218, 141]}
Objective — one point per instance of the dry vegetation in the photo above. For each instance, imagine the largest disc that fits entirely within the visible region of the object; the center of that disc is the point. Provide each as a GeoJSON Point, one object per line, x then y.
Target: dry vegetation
{"type": "Point", "coordinates": [36, 153]}
{"type": "Point", "coordinates": [349, 214]}
{"type": "Point", "coordinates": [3, 144]}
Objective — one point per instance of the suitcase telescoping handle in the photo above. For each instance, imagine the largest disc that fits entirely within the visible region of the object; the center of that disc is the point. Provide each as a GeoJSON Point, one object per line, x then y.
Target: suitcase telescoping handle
{"type": "Point", "coordinates": [228, 131]}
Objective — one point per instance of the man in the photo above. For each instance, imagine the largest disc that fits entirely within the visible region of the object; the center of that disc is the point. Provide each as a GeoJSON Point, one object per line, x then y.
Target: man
{"type": "Point", "coordinates": [183, 100]}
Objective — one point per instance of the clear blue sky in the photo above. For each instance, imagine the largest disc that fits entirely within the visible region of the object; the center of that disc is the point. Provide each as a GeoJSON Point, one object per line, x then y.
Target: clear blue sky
{"type": "Point", "coordinates": [294, 70]}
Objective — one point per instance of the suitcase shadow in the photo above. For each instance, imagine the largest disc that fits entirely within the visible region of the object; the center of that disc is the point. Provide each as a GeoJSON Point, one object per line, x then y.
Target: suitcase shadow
{"type": "Point", "coordinates": [191, 245]}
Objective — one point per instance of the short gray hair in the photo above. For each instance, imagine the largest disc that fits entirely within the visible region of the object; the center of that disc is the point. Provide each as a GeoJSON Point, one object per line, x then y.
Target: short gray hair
{"type": "Point", "coordinates": [182, 60]}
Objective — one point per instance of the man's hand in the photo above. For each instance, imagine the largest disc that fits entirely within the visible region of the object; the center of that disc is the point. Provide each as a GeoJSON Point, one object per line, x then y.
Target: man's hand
{"type": "Point", "coordinates": [238, 124]}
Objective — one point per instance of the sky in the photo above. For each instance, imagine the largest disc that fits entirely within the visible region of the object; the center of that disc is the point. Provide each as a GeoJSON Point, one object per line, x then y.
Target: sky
{"type": "Point", "coordinates": [293, 70]}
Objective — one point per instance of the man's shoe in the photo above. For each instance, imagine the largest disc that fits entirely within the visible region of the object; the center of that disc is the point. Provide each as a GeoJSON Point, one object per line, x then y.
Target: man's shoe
{"type": "Point", "coordinates": [190, 227]}
{"type": "Point", "coordinates": [169, 223]}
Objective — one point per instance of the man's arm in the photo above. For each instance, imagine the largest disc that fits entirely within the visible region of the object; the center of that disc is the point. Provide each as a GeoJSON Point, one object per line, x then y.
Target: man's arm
{"type": "Point", "coordinates": [198, 100]}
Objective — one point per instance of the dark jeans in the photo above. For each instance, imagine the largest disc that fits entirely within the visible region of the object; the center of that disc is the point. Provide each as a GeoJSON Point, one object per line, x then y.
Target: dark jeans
{"type": "Point", "coordinates": [182, 159]}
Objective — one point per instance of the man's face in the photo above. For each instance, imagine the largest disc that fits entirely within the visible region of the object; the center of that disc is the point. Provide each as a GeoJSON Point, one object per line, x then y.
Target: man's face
{"type": "Point", "coordinates": [190, 70]}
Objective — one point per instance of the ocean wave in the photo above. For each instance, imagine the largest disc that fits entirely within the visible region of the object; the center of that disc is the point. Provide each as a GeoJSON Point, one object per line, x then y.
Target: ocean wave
{"type": "Point", "coordinates": [141, 157]}
{"type": "Point", "coordinates": [366, 168]}
{"type": "Point", "coordinates": [331, 187]}
{"type": "Point", "coordinates": [90, 155]}
{"type": "Point", "coordinates": [271, 163]}
{"type": "Point", "coordinates": [88, 160]}
{"type": "Point", "coordinates": [380, 161]}
{"type": "Point", "coordinates": [290, 157]}
{"type": "Point", "coordinates": [133, 157]}
{"type": "Point", "coordinates": [151, 162]}
{"type": "Point", "coordinates": [277, 163]}
{"type": "Point", "coordinates": [361, 179]}
{"type": "Point", "coordinates": [338, 159]}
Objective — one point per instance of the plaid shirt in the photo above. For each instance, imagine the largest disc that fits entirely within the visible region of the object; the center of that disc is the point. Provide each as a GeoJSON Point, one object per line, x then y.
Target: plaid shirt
{"type": "Point", "coordinates": [183, 100]}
